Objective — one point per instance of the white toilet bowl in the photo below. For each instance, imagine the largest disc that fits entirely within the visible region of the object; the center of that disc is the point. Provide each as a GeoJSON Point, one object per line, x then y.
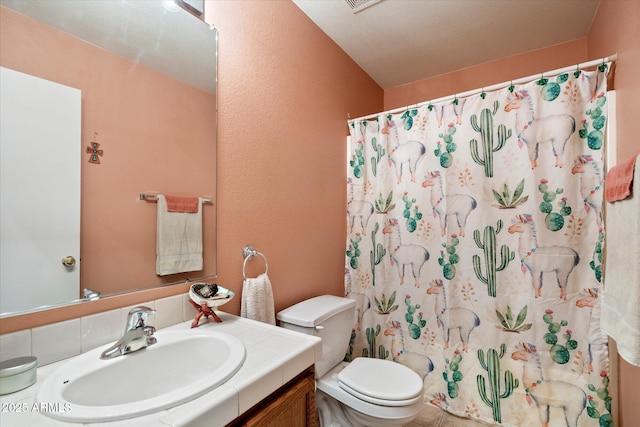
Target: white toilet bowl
{"type": "Point", "coordinates": [377, 393]}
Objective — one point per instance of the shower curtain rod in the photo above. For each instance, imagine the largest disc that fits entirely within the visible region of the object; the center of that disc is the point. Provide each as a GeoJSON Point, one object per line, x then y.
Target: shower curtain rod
{"type": "Point", "coordinates": [582, 65]}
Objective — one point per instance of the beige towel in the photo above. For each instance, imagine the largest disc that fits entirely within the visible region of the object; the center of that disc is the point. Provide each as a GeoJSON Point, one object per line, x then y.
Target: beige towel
{"type": "Point", "coordinates": [178, 240]}
{"type": "Point", "coordinates": [257, 300]}
{"type": "Point", "coordinates": [621, 295]}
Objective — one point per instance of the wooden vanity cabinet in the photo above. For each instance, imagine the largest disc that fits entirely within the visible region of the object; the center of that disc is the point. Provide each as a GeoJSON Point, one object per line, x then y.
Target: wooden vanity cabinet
{"type": "Point", "coordinates": [292, 405]}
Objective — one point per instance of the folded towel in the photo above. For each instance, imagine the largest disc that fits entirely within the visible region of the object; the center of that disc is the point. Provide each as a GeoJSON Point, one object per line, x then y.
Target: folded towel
{"type": "Point", "coordinates": [178, 240]}
{"type": "Point", "coordinates": [257, 300]}
{"type": "Point", "coordinates": [620, 316]}
{"type": "Point", "coordinates": [619, 181]}
{"type": "Point", "coordinates": [182, 204]}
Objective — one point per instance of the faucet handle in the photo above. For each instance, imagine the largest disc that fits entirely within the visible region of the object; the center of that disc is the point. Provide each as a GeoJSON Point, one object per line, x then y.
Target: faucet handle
{"type": "Point", "coordinates": [138, 317]}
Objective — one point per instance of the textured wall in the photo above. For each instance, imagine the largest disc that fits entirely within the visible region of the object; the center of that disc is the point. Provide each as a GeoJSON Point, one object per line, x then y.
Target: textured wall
{"type": "Point", "coordinates": [487, 74]}
{"type": "Point", "coordinates": [284, 94]}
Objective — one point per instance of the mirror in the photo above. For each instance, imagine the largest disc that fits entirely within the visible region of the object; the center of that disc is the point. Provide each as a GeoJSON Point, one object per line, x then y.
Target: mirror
{"type": "Point", "coordinates": [146, 70]}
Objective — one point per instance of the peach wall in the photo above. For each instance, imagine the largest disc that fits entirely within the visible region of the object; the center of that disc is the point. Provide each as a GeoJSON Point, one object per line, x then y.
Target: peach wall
{"type": "Point", "coordinates": [616, 29]}
{"type": "Point", "coordinates": [285, 91]}
{"type": "Point", "coordinates": [487, 74]}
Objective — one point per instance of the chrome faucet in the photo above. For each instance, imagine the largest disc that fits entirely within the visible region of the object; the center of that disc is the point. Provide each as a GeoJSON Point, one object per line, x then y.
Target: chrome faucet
{"type": "Point", "coordinates": [137, 334]}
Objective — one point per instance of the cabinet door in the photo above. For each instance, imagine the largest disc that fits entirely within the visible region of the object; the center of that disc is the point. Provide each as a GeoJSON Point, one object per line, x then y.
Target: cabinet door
{"type": "Point", "coordinates": [295, 407]}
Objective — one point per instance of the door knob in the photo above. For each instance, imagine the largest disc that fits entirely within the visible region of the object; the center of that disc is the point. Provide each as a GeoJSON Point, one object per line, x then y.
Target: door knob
{"type": "Point", "coordinates": [68, 261]}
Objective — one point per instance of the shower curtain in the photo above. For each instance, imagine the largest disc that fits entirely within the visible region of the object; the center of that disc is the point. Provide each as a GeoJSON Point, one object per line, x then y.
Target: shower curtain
{"type": "Point", "coordinates": [474, 249]}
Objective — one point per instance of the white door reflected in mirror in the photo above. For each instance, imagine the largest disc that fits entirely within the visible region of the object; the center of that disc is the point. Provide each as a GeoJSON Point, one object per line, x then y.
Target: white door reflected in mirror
{"type": "Point", "coordinates": [40, 154]}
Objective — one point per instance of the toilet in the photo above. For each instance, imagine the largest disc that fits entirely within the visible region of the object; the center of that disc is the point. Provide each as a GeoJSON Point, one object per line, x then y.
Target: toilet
{"type": "Point", "coordinates": [365, 392]}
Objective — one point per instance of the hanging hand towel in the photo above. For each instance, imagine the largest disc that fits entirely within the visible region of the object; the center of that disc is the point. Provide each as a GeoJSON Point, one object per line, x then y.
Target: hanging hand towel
{"type": "Point", "coordinates": [257, 300]}
{"type": "Point", "coordinates": [178, 238]}
{"type": "Point", "coordinates": [182, 204]}
{"type": "Point", "coordinates": [619, 181]}
{"type": "Point", "coordinates": [621, 294]}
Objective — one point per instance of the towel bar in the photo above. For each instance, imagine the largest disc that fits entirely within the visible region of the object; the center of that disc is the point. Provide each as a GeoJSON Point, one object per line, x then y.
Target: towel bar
{"type": "Point", "coordinates": [249, 252]}
{"type": "Point", "coordinates": [154, 198]}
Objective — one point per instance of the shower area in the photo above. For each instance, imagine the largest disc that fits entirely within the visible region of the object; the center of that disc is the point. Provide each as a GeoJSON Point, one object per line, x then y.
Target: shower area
{"type": "Point", "coordinates": [474, 249]}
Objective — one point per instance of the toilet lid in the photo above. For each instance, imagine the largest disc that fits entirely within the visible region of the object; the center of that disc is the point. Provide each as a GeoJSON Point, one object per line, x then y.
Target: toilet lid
{"type": "Point", "coordinates": [381, 382]}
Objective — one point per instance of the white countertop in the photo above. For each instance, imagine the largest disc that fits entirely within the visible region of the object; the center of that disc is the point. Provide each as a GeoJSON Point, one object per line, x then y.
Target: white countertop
{"type": "Point", "coordinates": [274, 356]}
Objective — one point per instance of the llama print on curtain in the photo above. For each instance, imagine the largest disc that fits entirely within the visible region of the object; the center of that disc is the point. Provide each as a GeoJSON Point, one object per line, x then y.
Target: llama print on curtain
{"type": "Point", "coordinates": [474, 250]}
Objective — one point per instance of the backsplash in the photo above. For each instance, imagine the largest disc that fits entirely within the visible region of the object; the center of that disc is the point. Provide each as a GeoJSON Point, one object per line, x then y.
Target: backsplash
{"type": "Point", "coordinates": [58, 341]}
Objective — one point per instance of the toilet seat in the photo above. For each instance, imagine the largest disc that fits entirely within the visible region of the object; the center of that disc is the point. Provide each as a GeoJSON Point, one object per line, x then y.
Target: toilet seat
{"type": "Point", "coordinates": [390, 415]}
{"type": "Point", "coordinates": [381, 382]}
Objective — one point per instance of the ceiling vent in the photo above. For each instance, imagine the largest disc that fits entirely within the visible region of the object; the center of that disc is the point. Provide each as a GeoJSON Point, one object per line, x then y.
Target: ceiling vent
{"type": "Point", "coordinates": [359, 5]}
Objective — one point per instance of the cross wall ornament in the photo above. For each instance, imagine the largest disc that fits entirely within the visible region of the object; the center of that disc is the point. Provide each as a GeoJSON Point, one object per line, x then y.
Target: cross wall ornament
{"type": "Point", "coordinates": [94, 150]}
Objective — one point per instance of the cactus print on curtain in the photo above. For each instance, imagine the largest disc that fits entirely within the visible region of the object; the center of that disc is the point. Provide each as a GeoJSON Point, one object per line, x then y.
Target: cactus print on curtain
{"type": "Point", "coordinates": [474, 250]}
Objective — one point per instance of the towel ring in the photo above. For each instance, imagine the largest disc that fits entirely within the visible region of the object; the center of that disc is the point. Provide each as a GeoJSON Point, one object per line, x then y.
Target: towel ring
{"type": "Point", "coordinates": [249, 252]}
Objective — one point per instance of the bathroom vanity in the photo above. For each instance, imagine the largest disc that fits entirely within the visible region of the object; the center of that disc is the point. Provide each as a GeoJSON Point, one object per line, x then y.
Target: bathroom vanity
{"type": "Point", "coordinates": [275, 385]}
{"type": "Point", "coordinates": [292, 405]}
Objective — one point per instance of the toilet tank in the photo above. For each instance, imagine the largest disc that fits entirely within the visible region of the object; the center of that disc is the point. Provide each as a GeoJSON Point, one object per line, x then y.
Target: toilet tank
{"type": "Point", "coordinates": [328, 317]}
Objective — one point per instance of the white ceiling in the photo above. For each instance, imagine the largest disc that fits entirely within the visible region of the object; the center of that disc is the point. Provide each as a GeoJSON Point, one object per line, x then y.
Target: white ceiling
{"type": "Point", "coordinates": [403, 41]}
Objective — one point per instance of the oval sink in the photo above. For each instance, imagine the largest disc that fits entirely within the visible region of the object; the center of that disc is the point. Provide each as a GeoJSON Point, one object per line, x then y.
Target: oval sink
{"type": "Point", "coordinates": [180, 367]}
